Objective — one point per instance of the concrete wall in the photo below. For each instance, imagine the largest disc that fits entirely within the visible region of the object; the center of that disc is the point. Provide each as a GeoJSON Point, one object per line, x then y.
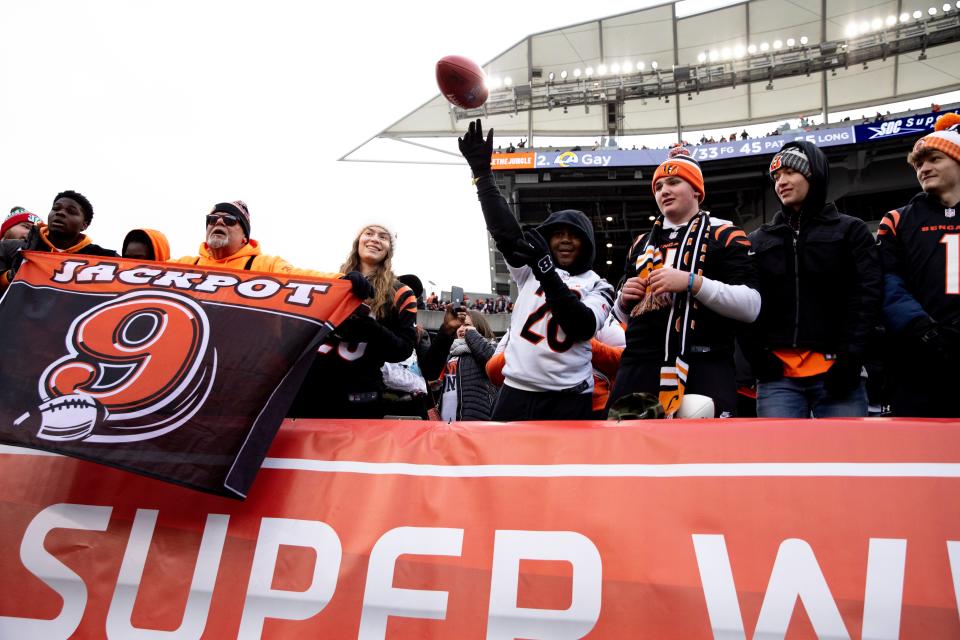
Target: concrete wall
{"type": "Point", "coordinates": [431, 320]}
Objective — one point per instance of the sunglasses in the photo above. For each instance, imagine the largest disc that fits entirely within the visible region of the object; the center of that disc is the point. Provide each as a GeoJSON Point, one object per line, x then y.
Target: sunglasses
{"type": "Point", "coordinates": [228, 219]}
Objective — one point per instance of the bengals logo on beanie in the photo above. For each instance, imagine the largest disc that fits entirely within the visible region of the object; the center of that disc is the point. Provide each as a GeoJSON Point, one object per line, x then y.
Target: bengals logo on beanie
{"type": "Point", "coordinates": [681, 164]}
{"type": "Point", "coordinates": [945, 137]}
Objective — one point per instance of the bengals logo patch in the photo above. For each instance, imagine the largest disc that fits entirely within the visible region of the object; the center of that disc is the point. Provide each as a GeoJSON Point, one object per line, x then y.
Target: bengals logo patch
{"type": "Point", "coordinates": [671, 169]}
{"type": "Point", "coordinates": [136, 367]}
{"type": "Point", "coordinates": [776, 163]}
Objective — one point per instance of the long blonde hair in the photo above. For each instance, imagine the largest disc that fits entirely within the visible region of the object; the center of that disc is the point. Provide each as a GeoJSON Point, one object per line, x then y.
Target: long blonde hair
{"type": "Point", "coordinates": [383, 280]}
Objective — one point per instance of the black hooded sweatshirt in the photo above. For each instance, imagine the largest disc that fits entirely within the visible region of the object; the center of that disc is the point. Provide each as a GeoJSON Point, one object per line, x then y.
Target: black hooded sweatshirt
{"type": "Point", "coordinates": [821, 285]}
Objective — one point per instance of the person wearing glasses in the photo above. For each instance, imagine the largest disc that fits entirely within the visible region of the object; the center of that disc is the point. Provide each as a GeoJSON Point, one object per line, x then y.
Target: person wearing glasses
{"type": "Point", "coordinates": [228, 244]}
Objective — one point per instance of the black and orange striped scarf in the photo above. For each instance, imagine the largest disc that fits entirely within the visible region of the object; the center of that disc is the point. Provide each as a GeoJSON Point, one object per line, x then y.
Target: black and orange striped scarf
{"type": "Point", "coordinates": [690, 257]}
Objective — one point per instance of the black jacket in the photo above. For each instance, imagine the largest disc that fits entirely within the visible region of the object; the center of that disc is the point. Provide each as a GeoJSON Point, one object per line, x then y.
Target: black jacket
{"type": "Point", "coordinates": [476, 393]}
{"type": "Point", "coordinates": [820, 287]}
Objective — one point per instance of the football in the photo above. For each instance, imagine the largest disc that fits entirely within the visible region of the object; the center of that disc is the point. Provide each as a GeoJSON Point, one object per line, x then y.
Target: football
{"type": "Point", "coordinates": [462, 82]}
{"type": "Point", "coordinates": [695, 406]}
{"type": "Point", "coordinates": [69, 417]}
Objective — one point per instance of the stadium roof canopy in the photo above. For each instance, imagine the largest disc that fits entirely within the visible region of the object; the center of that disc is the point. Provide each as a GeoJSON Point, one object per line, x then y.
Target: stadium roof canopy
{"type": "Point", "coordinates": [749, 41]}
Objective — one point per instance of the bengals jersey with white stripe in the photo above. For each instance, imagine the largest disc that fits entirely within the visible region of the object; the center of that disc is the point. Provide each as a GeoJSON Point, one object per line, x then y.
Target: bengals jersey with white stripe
{"type": "Point", "coordinates": [727, 261]}
{"type": "Point", "coordinates": [920, 244]}
{"type": "Point", "coordinates": [539, 355]}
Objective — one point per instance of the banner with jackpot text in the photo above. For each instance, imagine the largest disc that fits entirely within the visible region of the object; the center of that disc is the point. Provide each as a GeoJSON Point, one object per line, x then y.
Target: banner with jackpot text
{"type": "Point", "coordinates": [175, 371]}
{"type": "Point", "coordinates": [728, 529]}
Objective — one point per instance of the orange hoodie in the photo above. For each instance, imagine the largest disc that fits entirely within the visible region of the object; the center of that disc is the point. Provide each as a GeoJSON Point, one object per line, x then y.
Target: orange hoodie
{"type": "Point", "coordinates": [161, 248]}
{"type": "Point", "coordinates": [261, 262]}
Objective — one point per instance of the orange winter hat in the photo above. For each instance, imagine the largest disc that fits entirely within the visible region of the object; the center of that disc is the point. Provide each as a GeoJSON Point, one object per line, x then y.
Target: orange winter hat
{"type": "Point", "coordinates": [945, 137]}
{"type": "Point", "coordinates": [680, 163]}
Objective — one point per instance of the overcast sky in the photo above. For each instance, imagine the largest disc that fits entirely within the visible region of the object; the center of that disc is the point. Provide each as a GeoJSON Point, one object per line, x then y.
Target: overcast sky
{"type": "Point", "coordinates": [156, 111]}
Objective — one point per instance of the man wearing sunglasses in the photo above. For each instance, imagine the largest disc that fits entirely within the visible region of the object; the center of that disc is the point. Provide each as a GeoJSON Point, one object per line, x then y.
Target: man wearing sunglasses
{"type": "Point", "coordinates": [228, 244]}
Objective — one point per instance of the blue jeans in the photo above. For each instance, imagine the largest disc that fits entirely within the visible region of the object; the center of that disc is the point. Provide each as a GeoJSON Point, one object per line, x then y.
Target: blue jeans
{"type": "Point", "coordinates": [805, 397]}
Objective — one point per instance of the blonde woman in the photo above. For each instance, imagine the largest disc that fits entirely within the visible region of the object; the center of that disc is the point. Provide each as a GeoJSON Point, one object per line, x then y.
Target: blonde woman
{"type": "Point", "coordinates": [345, 379]}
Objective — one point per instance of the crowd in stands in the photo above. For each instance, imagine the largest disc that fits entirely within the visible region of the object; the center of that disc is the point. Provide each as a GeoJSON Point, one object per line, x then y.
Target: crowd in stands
{"type": "Point", "coordinates": [808, 316]}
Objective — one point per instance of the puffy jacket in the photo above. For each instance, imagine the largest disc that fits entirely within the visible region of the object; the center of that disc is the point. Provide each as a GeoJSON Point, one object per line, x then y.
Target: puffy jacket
{"type": "Point", "coordinates": [249, 258]}
{"type": "Point", "coordinates": [820, 287]}
{"type": "Point", "coordinates": [476, 394]}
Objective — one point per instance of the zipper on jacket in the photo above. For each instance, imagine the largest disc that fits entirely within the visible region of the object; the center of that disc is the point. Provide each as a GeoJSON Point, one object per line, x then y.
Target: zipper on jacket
{"type": "Point", "coordinates": [796, 285]}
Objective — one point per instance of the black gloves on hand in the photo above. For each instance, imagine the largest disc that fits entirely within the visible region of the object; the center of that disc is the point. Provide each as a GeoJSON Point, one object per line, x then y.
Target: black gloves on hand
{"type": "Point", "coordinates": [534, 251]}
{"type": "Point", "coordinates": [476, 150]}
{"type": "Point", "coordinates": [358, 329]}
{"type": "Point", "coordinates": [843, 377]}
{"type": "Point", "coordinates": [360, 286]}
{"type": "Point", "coordinates": [936, 340]}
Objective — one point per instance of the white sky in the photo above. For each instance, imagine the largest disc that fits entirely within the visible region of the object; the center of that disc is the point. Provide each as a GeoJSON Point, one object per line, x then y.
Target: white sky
{"type": "Point", "coordinates": [158, 110]}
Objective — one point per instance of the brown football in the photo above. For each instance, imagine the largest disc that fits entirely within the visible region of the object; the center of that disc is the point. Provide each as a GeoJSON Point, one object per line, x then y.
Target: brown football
{"type": "Point", "coordinates": [461, 82]}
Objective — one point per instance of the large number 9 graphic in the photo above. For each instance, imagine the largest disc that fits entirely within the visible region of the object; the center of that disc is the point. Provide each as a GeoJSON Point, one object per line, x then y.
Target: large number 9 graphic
{"type": "Point", "coordinates": [134, 354]}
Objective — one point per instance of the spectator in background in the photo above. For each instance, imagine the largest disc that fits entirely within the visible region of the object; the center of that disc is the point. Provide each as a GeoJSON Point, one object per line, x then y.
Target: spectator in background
{"type": "Point", "coordinates": [820, 282]}
{"type": "Point", "coordinates": [458, 357]}
{"type": "Point", "coordinates": [920, 248]}
{"type": "Point", "coordinates": [18, 223]}
{"type": "Point", "coordinates": [345, 380]}
{"type": "Point", "coordinates": [69, 217]}
{"type": "Point", "coordinates": [689, 283]}
{"type": "Point", "coordinates": [416, 286]}
{"type": "Point", "coordinates": [146, 244]}
{"type": "Point", "coordinates": [422, 343]}
{"type": "Point", "coordinates": [743, 135]}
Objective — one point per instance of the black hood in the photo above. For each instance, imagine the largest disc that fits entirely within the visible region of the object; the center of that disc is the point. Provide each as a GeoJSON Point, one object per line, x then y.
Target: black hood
{"type": "Point", "coordinates": [819, 179]}
{"type": "Point", "coordinates": [579, 221]}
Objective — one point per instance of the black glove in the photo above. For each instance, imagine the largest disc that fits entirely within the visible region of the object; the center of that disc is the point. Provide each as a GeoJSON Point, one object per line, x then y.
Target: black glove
{"type": "Point", "coordinates": [843, 377]}
{"type": "Point", "coordinates": [476, 150]}
{"type": "Point", "coordinates": [940, 342]}
{"type": "Point", "coordinates": [358, 329]}
{"type": "Point", "coordinates": [534, 251]}
{"type": "Point", "coordinates": [360, 286]}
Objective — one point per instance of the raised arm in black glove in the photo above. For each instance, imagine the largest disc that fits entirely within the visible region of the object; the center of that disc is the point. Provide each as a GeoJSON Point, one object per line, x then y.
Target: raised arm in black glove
{"type": "Point", "coordinates": [575, 318]}
{"type": "Point", "coordinates": [359, 285]}
{"type": "Point", "coordinates": [500, 221]}
{"type": "Point", "coordinates": [476, 149]}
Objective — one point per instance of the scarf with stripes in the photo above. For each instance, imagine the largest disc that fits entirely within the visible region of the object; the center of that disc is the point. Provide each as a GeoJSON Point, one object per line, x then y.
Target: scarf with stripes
{"type": "Point", "coordinates": [690, 258]}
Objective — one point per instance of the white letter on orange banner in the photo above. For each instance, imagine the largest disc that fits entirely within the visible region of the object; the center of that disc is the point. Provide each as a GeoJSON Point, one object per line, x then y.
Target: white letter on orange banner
{"type": "Point", "coordinates": [507, 621]}
{"type": "Point", "coordinates": [718, 587]}
{"type": "Point", "coordinates": [265, 602]}
{"type": "Point", "coordinates": [131, 573]}
{"type": "Point", "coordinates": [953, 552]}
{"type": "Point", "coordinates": [54, 573]}
{"type": "Point", "coordinates": [883, 598]}
{"type": "Point", "coordinates": [381, 599]}
{"type": "Point", "coordinates": [796, 574]}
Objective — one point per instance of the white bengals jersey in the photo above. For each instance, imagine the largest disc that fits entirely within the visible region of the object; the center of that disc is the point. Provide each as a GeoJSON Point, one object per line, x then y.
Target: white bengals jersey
{"type": "Point", "coordinates": [539, 356]}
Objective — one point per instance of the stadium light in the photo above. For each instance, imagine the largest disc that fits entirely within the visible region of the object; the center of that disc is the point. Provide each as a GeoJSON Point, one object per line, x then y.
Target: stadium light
{"type": "Point", "coordinates": [508, 81]}
{"type": "Point", "coordinates": [609, 218]}
{"type": "Point", "coordinates": [550, 76]}
{"type": "Point", "coordinates": [701, 57]}
{"type": "Point", "coordinates": [946, 7]}
{"type": "Point", "coordinates": [851, 30]}
{"type": "Point", "coordinates": [904, 17]}
{"type": "Point", "coordinates": [714, 55]}
{"type": "Point", "coordinates": [891, 20]}
{"type": "Point", "coordinates": [777, 44]}
{"type": "Point", "coordinates": [576, 73]}
{"type": "Point", "coordinates": [640, 66]}
{"type": "Point", "coordinates": [609, 261]}
{"type": "Point", "coordinates": [615, 69]}
{"type": "Point", "coordinates": [739, 51]}
{"type": "Point", "coordinates": [764, 46]}
{"type": "Point", "coordinates": [932, 11]}
{"type": "Point", "coordinates": [654, 65]}
{"type": "Point", "coordinates": [917, 14]}
{"type": "Point", "coordinates": [752, 49]}
{"type": "Point", "coordinates": [725, 53]}
{"type": "Point", "coordinates": [651, 218]}
{"type": "Point", "coordinates": [609, 245]}
{"type": "Point", "coordinates": [495, 82]}
{"type": "Point", "coordinates": [588, 71]}
{"type": "Point", "coordinates": [563, 74]}
{"type": "Point", "coordinates": [791, 42]}
{"type": "Point", "coordinates": [804, 40]}
{"type": "Point", "coordinates": [627, 67]}
{"type": "Point", "coordinates": [864, 27]}
{"type": "Point", "coordinates": [602, 70]}
{"type": "Point", "coordinates": [876, 24]}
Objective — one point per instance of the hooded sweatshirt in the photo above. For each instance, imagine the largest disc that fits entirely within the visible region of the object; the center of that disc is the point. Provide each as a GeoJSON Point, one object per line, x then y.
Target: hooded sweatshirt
{"type": "Point", "coordinates": [38, 240]}
{"type": "Point", "coordinates": [819, 276]}
{"type": "Point", "coordinates": [249, 258]}
{"type": "Point", "coordinates": [157, 240]}
{"type": "Point", "coordinates": [541, 356]}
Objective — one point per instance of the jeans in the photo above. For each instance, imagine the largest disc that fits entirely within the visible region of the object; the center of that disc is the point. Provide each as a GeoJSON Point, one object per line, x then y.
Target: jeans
{"type": "Point", "coordinates": [805, 397]}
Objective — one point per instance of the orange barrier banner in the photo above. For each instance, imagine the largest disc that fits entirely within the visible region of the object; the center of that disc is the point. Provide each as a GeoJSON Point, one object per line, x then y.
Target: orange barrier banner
{"type": "Point", "coordinates": [663, 529]}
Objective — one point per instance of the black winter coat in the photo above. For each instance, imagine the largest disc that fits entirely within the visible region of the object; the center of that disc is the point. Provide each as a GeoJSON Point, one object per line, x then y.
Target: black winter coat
{"type": "Point", "coordinates": [476, 392]}
{"type": "Point", "coordinates": [821, 287]}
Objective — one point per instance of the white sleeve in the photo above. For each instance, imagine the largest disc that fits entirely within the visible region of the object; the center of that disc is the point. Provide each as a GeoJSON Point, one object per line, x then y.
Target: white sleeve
{"type": "Point", "coordinates": [519, 274]}
{"type": "Point", "coordinates": [735, 301]}
{"type": "Point", "coordinates": [599, 299]}
{"type": "Point", "coordinates": [621, 314]}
